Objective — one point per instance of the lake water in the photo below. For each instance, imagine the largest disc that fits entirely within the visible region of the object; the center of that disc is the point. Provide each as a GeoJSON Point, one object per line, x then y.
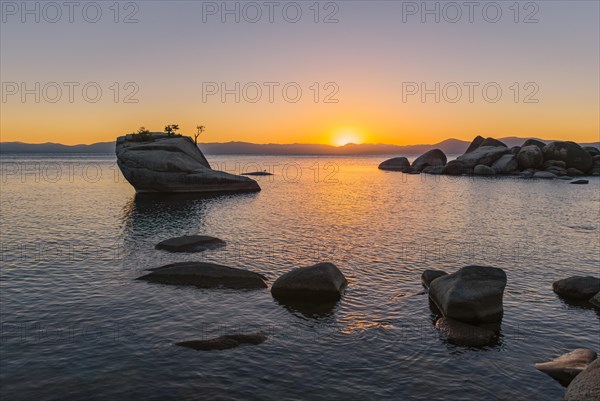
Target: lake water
{"type": "Point", "coordinates": [75, 324]}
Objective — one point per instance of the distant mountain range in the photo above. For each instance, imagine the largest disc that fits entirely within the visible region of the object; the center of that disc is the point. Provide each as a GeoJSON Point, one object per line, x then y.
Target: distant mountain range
{"type": "Point", "coordinates": [449, 146]}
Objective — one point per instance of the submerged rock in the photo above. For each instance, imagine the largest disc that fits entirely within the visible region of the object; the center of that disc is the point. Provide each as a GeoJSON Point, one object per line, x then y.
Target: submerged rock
{"type": "Point", "coordinates": [190, 243]}
{"type": "Point", "coordinates": [571, 153]}
{"type": "Point", "coordinates": [311, 284]}
{"type": "Point", "coordinates": [473, 294]}
{"type": "Point", "coordinates": [396, 164]}
{"type": "Point", "coordinates": [224, 342]}
{"type": "Point", "coordinates": [434, 170]}
{"type": "Point", "coordinates": [205, 275]}
{"type": "Point", "coordinates": [429, 275]}
{"type": "Point", "coordinates": [464, 334]}
{"type": "Point", "coordinates": [586, 386]}
{"type": "Point", "coordinates": [434, 157]}
{"type": "Point", "coordinates": [579, 182]}
{"type": "Point", "coordinates": [567, 366]}
{"type": "Point", "coordinates": [577, 287]}
{"type": "Point", "coordinates": [173, 164]}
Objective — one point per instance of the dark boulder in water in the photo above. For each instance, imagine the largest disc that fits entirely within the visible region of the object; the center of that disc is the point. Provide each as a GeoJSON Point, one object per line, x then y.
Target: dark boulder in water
{"type": "Point", "coordinates": [434, 157]}
{"type": "Point", "coordinates": [396, 164]}
{"type": "Point", "coordinates": [312, 284]}
{"type": "Point", "coordinates": [481, 169]}
{"type": "Point", "coordinates": [579, 182]}
{"type": "Point", "coordinates": [205, 275]}
{"type": "Point", "coordinates": [224, 342]}
{"type": "Point", "coordinates": [577, 287]}
{"type": "Point", "coordinates": [190, 243]}
{"type": "Point", "coordinates": [454, 167]}
{"type": "Point", "coordinates": [473, 294]}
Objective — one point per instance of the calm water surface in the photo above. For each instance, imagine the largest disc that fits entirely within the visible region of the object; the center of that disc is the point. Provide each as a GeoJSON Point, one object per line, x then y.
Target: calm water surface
{"type": "Point", "coordinates": [75, 324]}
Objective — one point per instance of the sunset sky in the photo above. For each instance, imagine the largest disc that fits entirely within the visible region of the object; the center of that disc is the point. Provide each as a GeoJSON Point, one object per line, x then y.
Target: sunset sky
{"type": "Point", "coordinates": [179, 53]}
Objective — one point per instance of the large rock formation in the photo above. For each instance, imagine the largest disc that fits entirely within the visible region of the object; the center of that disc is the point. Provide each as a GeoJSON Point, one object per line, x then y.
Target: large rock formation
{"type": "Point", "coordinates": [205, 275]}
{"type": "Point", "coordinates": [490, 156]}
{"type": "Point", "coordinates": [161, 163]}
{"type": "Point", "coordinates": [473, 294]}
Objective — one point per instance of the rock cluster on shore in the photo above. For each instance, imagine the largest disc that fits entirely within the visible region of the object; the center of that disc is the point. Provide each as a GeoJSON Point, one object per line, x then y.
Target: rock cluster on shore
{"type": "Point", "coordinates": [163, 163]}
{"type": "Point", "coordinates": [488, 157]}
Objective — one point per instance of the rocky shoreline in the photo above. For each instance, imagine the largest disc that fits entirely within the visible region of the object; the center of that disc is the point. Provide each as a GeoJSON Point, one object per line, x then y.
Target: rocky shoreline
{"type": "Point", "coordinates": [491, 157]}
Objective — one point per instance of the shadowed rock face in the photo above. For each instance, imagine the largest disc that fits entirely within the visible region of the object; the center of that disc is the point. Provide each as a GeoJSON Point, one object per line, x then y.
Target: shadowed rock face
{"type": "Point", "coordinates": [473, 294]}
{"type": "Point", "coordinates": [484, 155]}
{"type": "Point", "coordinates": [586, 386]}
{"type": "Point", "coordinates": [173, 164]}
{"type": "Point", "coordinates": [569, 152]}
{"type": "Point", "coordinates": [566, 367]}
{"type": "Point", "coordinates": [224, 342]}
{"type": "Point", "coordinates": [205, 275]}
{"type": "Point", "coordinates": [190, 243]}
{"type": "Point", "coordinates": [313, 284]}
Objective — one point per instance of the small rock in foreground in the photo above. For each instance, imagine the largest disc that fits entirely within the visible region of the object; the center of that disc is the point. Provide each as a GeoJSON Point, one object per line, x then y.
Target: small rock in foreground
{"type": "Point", "coordinates": [567, 366]}
{"type": "Point", "coordinates": [224, 342]}
{"type": "Point", "coordinates": [580, 182]}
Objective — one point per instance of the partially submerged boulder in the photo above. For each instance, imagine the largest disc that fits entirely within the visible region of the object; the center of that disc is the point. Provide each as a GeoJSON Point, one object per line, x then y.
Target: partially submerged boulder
{"type": "Point", "coordinates": [436, 170]}
{"type": "Point", "coordinates": [205, 275]}
{"type": "Point", "coordinates": [481, 169]}
{"type": "Point", "coordinates": [434, 157]}
{"type": "Point", "coordinates": [586, 386]}
{"type": "Point", "coordinates": [464, 334]}
{"type": "Point", "coordinates": [566, 367]}
{"type": "Point", "coordinates": [190, 243]}
{"type": "Point", "coordinates": [473, 294]}
{"type": "Point", "coordinates": [224, 342]}
{"type": "Point", "coordinates": [579, 182]}
{"type": "Point", "coordinates": [577, 287]}
{"type": "Point", "coordinates": [396, 164]}
{"type": "Point", "coordinates": [429, 275]}
{"type": "Point", "coordinates": [545, 175]}
{"type": "Point", "coordinates": [454, 167]}
{"type": "Point", "coordinates": [311, 284]}
{"type": "Point", "coordinates": [173, 164]}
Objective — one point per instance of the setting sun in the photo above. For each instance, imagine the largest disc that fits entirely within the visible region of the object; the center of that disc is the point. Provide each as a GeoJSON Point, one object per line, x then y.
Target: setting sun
{"type": "Point", "coordinates": [347, 136]}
